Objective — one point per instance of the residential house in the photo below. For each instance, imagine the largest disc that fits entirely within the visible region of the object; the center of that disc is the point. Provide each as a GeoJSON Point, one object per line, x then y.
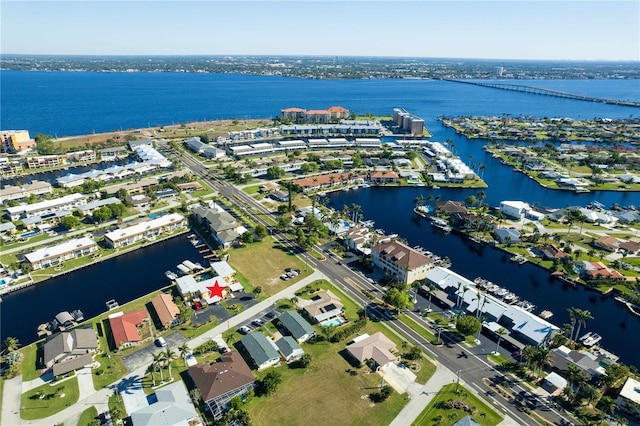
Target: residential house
{"type": "Point", "coordinates": [377, 347]}
{"type": "Point", "coordinates": [70, 350]}
{"type": "Point", "coordinates": [328, 180]}
{"type": "Point", "coordinates": [219, 382]}
{"type": "Point", "coordinates": [597, 270]}
{"type": "Point", "coordinates": [325, 306]}
{"type": "Point", "coordinates": [630, 247]}
{"type": "Point", "coordinates": [89, 208]}
{"type": "Point", "coordinates": [222, 226]}
{"type": "Point", "coordinates": [466, 421]}
{"type": "Point", "coordinates": [451, 207]}
{"type": "Point", "coordinates": [507, 235]}
{"type": "Point", "coordinates": [401, 261]}
{"type": "Point", "coordinates": [628, 399]}
{"type": "Point", "coordinates": [514, 209]}
{"type": "Point", "coordinates": [607, 243]}
{"type": "Point", "coordinates": [551, 251]}
{"type": "Point", "coordinates": [554, 383]}
{"type": "Point", "coordinates": [383, 176]}
{"type": "Point", "coordinates": [173, 407]}
{"type": "Point", "coordinates": [297, 326]}
{"type": "Point", "coordinates": [167, 311]}
{"type": "Point", "coordinates": [7, 228]}
{"type": "Point", "coordinates": [562, 357]}
{"type": "Point", "coordinates": [289, 348]}
{"type": "Point", "coordinates": [260, 349]}
{"type": "Point", "coordinates": [127, 328]}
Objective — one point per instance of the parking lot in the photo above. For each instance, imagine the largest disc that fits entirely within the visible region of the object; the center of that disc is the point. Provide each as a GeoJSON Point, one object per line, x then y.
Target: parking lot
{"type": "Point", "coordinates": [202, 316]}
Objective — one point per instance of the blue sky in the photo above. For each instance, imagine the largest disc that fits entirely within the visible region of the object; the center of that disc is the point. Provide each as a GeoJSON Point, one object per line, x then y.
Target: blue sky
{"type": "Point", "coordinates": [512, 29]}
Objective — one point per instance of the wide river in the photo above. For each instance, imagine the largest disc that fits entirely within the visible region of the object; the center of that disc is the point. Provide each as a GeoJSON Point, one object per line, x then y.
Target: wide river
{"type": "Point", "coordinates": [60, 103]}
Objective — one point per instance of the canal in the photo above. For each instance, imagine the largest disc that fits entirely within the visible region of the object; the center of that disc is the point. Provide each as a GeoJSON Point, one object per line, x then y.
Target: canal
{"type": "Point", "coordinates": [123, 278]}
{"type": "Point", "coordinates": [392, 211]}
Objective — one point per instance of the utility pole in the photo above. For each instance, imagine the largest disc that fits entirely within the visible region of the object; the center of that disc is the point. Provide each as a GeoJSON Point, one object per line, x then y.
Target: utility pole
{"type": "Point", "coordinates": [457, 380]}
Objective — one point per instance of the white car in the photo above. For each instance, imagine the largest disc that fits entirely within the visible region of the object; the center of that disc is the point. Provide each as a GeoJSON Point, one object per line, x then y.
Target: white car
{"type": "Point", "coordinates": [244, 329]}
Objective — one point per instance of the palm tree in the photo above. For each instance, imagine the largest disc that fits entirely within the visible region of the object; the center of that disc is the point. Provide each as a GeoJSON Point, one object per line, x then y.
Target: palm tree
{"type": "Point", "coordinates": [500, 332]}
{"type": "Point", "coordinates": [419, 201]}
{"type": "Point", "coordinates": [460, 285]}
{"type": "Point", "coordinates": [430, 289]}
{"type": "Point", "coordinates": [572, 318]}
{"type": "Point", "coordinates": [576, 377]}
{"type": "Point", "coordinates": [158, 360]}
{"type": "Point", "coordinates": [542, 358]}
{"type": "Point", "coordinates": [11, 344]}
{"type": "Point", "coordinates": [582, 315]}
{"type": "Point", "coordinates": [169, 355]}
{"type": "Point", "coordinates": [184, 349]}
{"type": "Point", "coordinates": [294, 301]}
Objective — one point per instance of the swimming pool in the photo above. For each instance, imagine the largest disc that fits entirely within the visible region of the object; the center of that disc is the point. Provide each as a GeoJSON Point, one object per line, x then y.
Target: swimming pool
{"type": "Point", "coordinates": [333, 323]}
{"type": "Point", "coordinates": [29, 234]}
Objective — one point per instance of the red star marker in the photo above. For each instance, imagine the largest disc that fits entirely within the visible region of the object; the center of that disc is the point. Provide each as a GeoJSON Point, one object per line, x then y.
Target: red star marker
{"type": "Point", "coordinates": [216, 290]}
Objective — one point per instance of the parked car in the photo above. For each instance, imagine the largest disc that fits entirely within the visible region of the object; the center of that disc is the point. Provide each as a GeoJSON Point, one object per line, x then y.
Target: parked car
{"type": "Point", "coordinates": [160, 342]}
{"type": "Point", "coordinates": [257, 322]}
{"type": "Point", "coordinates": [244, 329]}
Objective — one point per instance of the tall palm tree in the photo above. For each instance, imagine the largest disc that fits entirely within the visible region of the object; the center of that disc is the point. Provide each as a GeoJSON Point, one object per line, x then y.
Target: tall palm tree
{"type": "Point", "coordinates": [184, 349]}
{"type": "Point", "coordinates": [500, 332]}
{"type": "Point", "coordinates": [572, 319]}
{"type": "Point", "coordinates": [169, 355]}
{"type": "Point", "coordinates": [542, 358]}
{"type": "Point", "coordinates": [419, 201]}
{"type": "Point", "coordinates": [158, 360]}
{"type": "Point", "coordinates": [582, 315]}
{"type": "Point", "coordinates": [430, 289]}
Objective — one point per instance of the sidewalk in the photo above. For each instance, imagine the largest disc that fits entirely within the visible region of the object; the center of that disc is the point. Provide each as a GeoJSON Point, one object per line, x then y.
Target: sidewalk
{"type": "Point", "coordinates": [421, 396]}
{"type": "Point", "coordinates": [247, 314]}
{"type": "Point", "coordinates": [14, 388]}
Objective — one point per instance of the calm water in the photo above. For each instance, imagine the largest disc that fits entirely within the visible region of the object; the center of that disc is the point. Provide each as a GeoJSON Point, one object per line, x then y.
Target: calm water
{"type": "Point", "coordinates": [530, 282]}
{"type": "Point", "coordinates": [123, 278]}
{"type": "Point", "coordinates": [61, 103]}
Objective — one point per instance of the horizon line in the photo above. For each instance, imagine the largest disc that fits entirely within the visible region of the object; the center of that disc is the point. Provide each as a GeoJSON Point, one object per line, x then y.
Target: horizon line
{"type": "Point", "coordinates": [130, 55]}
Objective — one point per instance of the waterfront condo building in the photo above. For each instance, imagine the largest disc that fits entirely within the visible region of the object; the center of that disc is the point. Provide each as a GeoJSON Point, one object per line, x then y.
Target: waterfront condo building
{"type": "Point", "coordinates": [147, 229]}
{"type": "Point", "coordinates": [54, 255]}
{"type": "Point", "coordinates": [408, 122]}
{"type": "Point", "coordinates": [42, 161]}
{"type": "Point", "coordinates": [219, 382]}
{"type": "Point", "coordinates": [46, 208]}
{"type": "Point", "coordinates": [14, 141]}
{"type": "Point", "coordinates": [401, 261]}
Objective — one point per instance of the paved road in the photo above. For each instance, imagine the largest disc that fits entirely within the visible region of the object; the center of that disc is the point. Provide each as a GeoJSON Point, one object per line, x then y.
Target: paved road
{"type": "Point", "coordinates": [471, 364]}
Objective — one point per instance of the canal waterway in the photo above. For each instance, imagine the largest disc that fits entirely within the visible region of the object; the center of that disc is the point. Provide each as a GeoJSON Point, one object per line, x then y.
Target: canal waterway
{"type": "Point", "coordinates": [123, 278]}
{"type": "Point", "coordinates": [611, 320]}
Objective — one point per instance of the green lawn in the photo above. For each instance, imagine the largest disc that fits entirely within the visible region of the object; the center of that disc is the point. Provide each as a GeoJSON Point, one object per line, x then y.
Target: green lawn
{"type": "Point", "coordinates": [326, 393]}
{"type": "Point", "coordinates": [262, 264]}
{"type": "Point", "coordinates": [88, 415]}
{"type": "Point", "coordinates": [483, 413]}
{"type": "Point", "coordinates": [418, 328]}
{"type": "Point", "coordinates": [29, 366]}
{"type": "Point", "coordinates": [35, 408]}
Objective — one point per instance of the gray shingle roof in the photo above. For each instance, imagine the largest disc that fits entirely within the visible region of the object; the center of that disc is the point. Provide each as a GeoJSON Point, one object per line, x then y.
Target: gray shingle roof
{"type": "Point", "coordinates": [296, 325]}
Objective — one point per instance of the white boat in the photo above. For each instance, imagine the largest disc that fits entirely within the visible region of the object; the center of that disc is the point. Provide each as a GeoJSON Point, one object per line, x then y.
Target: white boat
{"type": "Point", "coordinates": [546, 314]}
{"type": "Point", "coordinates": [171, 275]}
{"type": "Point", "coordinates": [590, 339]}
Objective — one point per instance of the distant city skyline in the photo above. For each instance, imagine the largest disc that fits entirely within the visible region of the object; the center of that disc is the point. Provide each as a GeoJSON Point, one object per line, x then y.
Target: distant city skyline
{"type": "Point", "coordinates": [537, 30]}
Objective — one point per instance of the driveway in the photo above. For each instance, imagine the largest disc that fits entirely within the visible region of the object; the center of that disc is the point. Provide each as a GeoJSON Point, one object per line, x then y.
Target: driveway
{"type": "Point", "coordinates": [132, 394]}
{"type": "Point", "coordinates": [400, 378]}
{"type": "Point", "coordinates": [85, 382]}
{"type": "Point", "coordinates": [144, 356]}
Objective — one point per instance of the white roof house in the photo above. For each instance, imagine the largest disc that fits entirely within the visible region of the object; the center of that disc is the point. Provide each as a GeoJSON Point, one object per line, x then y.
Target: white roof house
{"type": "Point", "coordinates": [187, 284]}
{"type": "Point", "coordinates": [174, 407]}
{"type": "Point", "coordinates": [516, 209]}
{"type": "Point", "coordinates": [222, 269]}
{"type": "Point", "coordinates": [629, 396]}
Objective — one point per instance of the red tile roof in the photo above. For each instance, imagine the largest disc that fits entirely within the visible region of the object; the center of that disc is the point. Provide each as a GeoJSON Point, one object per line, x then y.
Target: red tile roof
{"type": "Point", "coordinates": [337, 109]}
{"type": "Point", "coordinates": [384, 174]}
{"type": "Point", "coordinates": [124, 328]}
{"type": "Point", "coordinates": [293, 110]}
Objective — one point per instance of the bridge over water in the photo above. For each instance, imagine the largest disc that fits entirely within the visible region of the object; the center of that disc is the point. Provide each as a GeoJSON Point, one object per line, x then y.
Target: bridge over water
{"type": "Point", "coordinates": [546, 92]}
